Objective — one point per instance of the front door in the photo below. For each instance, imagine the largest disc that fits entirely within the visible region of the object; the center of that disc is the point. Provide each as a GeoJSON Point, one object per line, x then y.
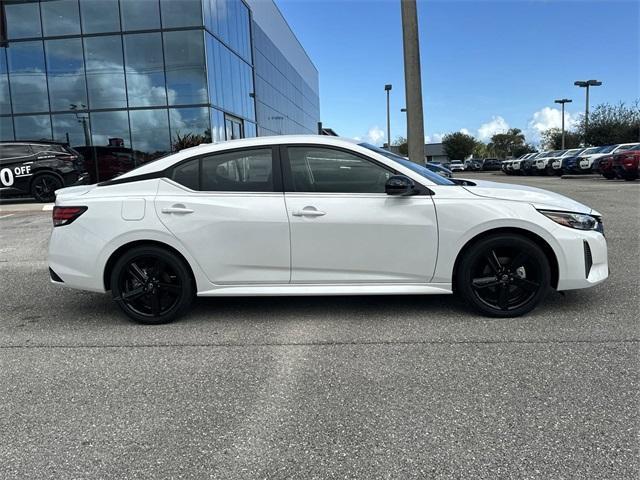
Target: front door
{"type": "Point", "coordinates": [228, 211]}
{"type": "Point", "coordinates": [345, 229]}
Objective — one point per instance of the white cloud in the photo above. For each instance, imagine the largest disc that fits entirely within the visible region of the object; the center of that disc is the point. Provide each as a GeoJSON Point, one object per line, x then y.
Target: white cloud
{"type": "Point", "coordinates": [549, 118]}
{"type": "Point", "coordinates": [375, 135]}
{"type": "Point", "coordinates": [434, 138]}
{"type": "Point", "coordinates": [465, 131]}
{"type": "Point", "coordinates": [497, 124]}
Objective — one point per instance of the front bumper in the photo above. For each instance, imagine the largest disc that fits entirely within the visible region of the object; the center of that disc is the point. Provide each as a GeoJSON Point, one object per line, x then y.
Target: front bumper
{"type": "Point", "coordinates": [584, 262]}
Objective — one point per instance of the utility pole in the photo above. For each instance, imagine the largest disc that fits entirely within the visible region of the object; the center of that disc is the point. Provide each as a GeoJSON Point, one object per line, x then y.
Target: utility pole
{"type": "Point", "coordinates": [387, 88]}
{"type": "Point", "coordinates": [563, 101]}
{"type": "Point", "coordinates": [412, 81]}
{"type": "Point", "coordinates": [586, 84]}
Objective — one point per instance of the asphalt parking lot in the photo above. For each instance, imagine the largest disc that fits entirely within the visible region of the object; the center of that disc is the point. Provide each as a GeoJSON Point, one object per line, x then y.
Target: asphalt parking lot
{"type": "Point", "coordinates": [347, 387]}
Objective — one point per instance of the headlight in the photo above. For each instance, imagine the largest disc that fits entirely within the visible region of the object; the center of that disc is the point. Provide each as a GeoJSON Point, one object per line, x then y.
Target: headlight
{"type": "Point", "coordinates": [574, 220]}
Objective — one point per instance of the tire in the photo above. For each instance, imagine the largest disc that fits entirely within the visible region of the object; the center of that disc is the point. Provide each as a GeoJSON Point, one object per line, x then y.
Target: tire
{"type": "Point", "coordinates": [504, 275]}
{"type": "Point", "coordinates": [44, 186]}
{"type": "Point", "coordinates": [152, 285]}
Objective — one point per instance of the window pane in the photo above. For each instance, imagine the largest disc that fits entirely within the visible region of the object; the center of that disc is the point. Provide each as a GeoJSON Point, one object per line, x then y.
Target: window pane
{"type": "Point", "coordinates": [27, 77]}
{"type": "Point", "coordinates": [60, 17]}
{"type": "Point", "coordinates": [247, 171]}
{"type": "Point", "coordinates": [140, 14]}
{"type": "Point", "coordinates": [33, 127]}
{"type": "Point", "coordinates": [6, 128]}
{"type": "Point", "coordinates": [185, 13]}
{"type": "Point", "coordinates": [105, 72]}
{"type": "Point", "coordinates": [145, 70]}
{"type": "Point", "coordinates": [189, 127]}
{"type": "Point", "coordinates": [150, 132]}
{"type": "Point", "coordinates": [67, 84]}
{"type": "Point", "coordinates": [217, 125]}
{"type": "Point", "coordinates": [188, 174]}
{"type": "Point", "coordinates": [110, 129]}
{"type": "Point", "coordinates": [185, 67]}
{"type": "Point", "coordinates": [334, 171]}
{"type": "Point", "coordinates": [100, 16]}
{"type": "Point", "coordinates": [23, 19]}
{"type": "Point", "coordinates": [5, 103]}
{"type": "Point", "coordinates": [68, 128]}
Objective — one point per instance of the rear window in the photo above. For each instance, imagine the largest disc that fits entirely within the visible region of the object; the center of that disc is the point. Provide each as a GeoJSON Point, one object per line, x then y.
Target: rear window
{"type": "Point", "coordinates": [37, 148]}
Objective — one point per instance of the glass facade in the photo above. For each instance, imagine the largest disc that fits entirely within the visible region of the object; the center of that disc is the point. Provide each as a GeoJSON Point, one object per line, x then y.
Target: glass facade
{"type": "Point", "coordinates": [145, 76]}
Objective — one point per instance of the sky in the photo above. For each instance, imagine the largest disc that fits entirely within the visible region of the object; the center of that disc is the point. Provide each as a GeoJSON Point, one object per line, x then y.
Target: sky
{"type": "Point", "coordinates": [486, 65]}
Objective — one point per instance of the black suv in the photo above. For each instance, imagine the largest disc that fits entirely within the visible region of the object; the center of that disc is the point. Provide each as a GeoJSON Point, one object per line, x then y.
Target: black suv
{"type": "Point", "coordinates": [39, 169]}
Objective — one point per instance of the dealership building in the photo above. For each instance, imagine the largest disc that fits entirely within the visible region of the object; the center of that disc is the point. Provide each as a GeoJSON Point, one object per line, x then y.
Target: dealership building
{"type": "Point", "coordinates": [150, 76]}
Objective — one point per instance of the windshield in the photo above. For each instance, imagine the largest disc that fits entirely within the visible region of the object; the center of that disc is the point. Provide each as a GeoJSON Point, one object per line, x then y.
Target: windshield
{"type": "Point", "coordinates": [627, 147]}
{"type": "Point", "coordinates": [591, 150]}
{"type": "Point", "coordinates": [607, 148]}
{"type": "Point", "coordinates": [569, 153]}
{"type": "Point", "coordinates": [419, 169]}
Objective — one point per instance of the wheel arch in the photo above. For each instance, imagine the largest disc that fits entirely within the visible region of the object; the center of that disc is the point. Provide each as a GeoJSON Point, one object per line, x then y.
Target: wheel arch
{"type": "Point", "coordinates": [42, 171]}
{"type": "Point", "coordinates": [113, 258]}
{"type": "Point", "coordinates": [537, 239]}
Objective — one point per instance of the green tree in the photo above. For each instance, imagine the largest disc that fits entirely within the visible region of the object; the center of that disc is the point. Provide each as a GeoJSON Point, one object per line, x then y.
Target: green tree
{"type": "Point", "coordinates": [402, 145]}
{"type": "Point", "coordinates": [523, 149]}
{"type": "Point", "coordinates": [609, 124]}
{"type": "Point", "coordinates": [504, 144]}
{"type": "Point", "coordinates": [551, 139]}
{"type": "Point", "coordinates": [458, 145]}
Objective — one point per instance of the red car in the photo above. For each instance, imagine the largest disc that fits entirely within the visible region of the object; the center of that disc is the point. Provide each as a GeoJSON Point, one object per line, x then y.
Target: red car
{"type": "Point", "coordinates": [626, 164]}
{"type": "Point", "coordinates": [605, 167]}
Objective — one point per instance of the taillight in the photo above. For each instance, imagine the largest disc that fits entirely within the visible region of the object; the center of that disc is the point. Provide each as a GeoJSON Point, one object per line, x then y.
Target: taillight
{"type": "Point", "coordinates": [66, 215]}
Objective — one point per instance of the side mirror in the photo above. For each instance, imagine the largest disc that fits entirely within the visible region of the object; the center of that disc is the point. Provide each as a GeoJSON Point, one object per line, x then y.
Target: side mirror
{"type": "Point", "coordinates": [399, 185]}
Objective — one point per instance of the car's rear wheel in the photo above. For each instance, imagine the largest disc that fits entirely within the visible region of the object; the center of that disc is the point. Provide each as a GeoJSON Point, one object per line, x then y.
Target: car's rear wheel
{"type": "Point", "coordinates": [504, 275]}
{"type": "Point", "coordinates": [44, 187]}
{"type": "Point", "coordinates": [152, 285]}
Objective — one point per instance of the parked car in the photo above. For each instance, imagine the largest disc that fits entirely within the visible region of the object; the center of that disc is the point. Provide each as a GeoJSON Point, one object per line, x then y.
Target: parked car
{"type": "Point", "coordinates": [593, 161]}
{"type": "Point", "coordinates": [316, 215]}
{"type": "Point", "coordinates": [626, 162]}
{"type": "Point", "coordinates": [39, 169]}
{"type": "Point", "coordinates": [507, 165]}
{"type": "Point", "coordinates": [605, 167]}
{"type": "Point", "coordinates": [517, 165]}
{"type": "Point", "coordinates": [572, 164]}
{"type": "Point", "coordinates": [439, 169]}
{"type": "Point", "coordinates": [456, 166]}
{"type": "Point", "coordinates": [545, 162]}
{"type": "Point", "coordinates": [473, 164]}
{"type": "Point", "coordinates": [106, 162]}
{"type": "Point", "coordinates": [528, 164]}
{"type": "Point", "coordinates": [491, 164]}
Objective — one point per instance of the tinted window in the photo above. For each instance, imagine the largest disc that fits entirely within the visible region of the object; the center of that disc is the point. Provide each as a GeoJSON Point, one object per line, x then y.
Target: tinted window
{"type": "Point", "coordinates": [188, 174]}
{"type": "Point", "coordinates": [150, 132]}
{"type": "Point", "coordinates": [5, 104]}
{"type": "Point", "coordinates": [27, 77]}
{"type": "Point", "coordinates": [67, 128]}
{"type": "Point", "coordinates": [145, 70]}
{"type": "Point", "coordinates": [33, 127]}
{"type": "Point", "coordinates": [100, 16]}
{"type": "Point", "coordinates": [244, 171]}
{"type": "Point", "coordinates": [6, 128]}
{"type": "Point", "coordinates": [67, 84]}
{"type": "Point", "coordinates": [334, 171]}
{"type": "Point", "coordinates": [110, 129]}
{"type": "Point", "coordinates": [23, 19]}
{"type": "Point", "coordinates": [185, 13]}
{"type": "Point", "coordinates": [105, 72]}
{"type": "Point", "coordinates": [185, 67]}
{"type": "Point", "coordinates": [60, 17]}
{"type": "Point", "coordinates": [140, 14]}
{"type": "Point", "coordinates": [47, 148]}
{"type": "Point", "coordinates": [188, 126]}
{"type": "Point", "coordinates": [12, 151]}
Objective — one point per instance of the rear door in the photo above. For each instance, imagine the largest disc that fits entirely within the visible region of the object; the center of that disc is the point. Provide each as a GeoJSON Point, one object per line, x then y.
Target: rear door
{"type": "Point", "coordinates": [16, 166]}
{"type": "Point", "coordinates": [228, 210]}
{"type": "Point", "coordinates": [346, 229]}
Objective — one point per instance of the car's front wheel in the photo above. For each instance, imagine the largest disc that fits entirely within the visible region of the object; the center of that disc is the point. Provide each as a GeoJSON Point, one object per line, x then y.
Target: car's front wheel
{"type": "Point", "coordinates": [504, 275]}
{"type": "Point", "coordinates": [152, 285]}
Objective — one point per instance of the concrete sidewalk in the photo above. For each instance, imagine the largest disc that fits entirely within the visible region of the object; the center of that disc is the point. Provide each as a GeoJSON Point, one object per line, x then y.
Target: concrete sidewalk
{"type": "Point", "coordinates": [18, 205]}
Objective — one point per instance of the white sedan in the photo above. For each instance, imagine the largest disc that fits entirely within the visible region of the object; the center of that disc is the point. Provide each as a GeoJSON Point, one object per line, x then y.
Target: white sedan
{"type": "Point", "coordinates": [314, 215]}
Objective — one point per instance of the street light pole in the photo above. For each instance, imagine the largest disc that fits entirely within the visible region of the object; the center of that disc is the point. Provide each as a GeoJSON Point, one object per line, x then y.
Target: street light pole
{"type": "Point", "coordinates": [412, 81]}
{"type": "Point", "coordinates": [387, 89]}
{"type": "Point", "coordinates": [586, 84]}
{"type": "Point", "coordinates": [563, 101]}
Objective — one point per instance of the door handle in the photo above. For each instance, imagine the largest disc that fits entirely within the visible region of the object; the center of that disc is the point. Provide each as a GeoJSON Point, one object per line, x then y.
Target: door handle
{"type": "Point", "coordinates": [176, 209]}
{"type": "Point", "coordinates": [308, 212]}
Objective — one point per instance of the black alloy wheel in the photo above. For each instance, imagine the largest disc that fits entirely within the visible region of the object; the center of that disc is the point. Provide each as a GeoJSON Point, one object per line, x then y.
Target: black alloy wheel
{"type": "Point", "coordinates": [152, 285]}
{"type": "Point", "coordinates": [44, 187]}
{"type": "Point", "coordinates": [504, 275]}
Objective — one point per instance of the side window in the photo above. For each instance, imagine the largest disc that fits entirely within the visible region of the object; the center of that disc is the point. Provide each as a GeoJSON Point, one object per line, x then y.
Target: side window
{"type": "Point", "coordinates": [9, 151]}
{"type": "Point", "coordinates": [243, 171]}
{"type": "Point", "coordinates": [188, 174]}
{"type": "Point", "coordinates": [317, 169]}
